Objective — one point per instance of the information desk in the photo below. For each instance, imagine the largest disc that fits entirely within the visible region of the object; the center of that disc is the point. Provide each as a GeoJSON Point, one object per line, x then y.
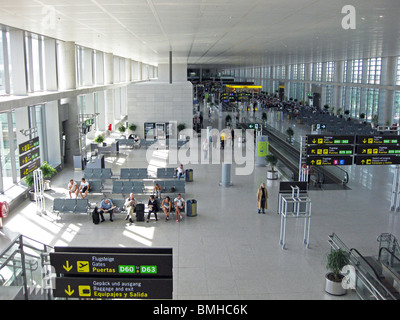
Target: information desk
{"type": "Point", "coordinates": [97, 162]}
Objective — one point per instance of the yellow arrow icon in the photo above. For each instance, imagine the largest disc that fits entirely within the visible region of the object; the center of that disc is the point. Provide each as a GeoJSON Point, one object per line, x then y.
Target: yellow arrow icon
{"type": "Point", "coordinates": [67, 267]}
{"type": "Point", "coordinates": [69, 291]}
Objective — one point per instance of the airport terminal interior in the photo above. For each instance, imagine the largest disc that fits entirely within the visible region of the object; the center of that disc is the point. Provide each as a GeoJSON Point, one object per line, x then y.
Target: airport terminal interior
{"type": "Point", "coordinates": [299, 96]}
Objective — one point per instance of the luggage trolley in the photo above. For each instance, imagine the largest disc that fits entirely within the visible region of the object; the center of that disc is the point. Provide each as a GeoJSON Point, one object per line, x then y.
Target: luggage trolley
{"type": "Point", "coordinates": [290, 206]}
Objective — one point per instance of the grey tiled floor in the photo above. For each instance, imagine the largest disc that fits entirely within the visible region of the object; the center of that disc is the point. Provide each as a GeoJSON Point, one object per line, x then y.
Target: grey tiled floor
{"type": "Point", "coordinates": [229, 251]}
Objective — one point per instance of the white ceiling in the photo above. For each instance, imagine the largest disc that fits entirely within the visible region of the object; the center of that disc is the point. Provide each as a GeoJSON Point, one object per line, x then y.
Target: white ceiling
{"type": "Point", "coordinates": [224, 32]}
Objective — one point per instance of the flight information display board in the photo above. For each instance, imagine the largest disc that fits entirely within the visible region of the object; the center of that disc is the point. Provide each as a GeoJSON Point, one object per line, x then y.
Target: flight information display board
{"type": "Point", "coordinates": [109, 273]}
{"type": "Point", "coordinates": [330, 161]}
{"type": "Point", "coordinates": [376, 160]}
{"type": "Point", "coordinates": [326, 139]}
{"type": "Point", "coordinates": [378, 139]}
{"type": "Point", "coordinates": [330, 150]}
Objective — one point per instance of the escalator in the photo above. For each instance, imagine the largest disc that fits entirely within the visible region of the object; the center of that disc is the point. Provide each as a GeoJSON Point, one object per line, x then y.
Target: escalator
{"type": "Point", "coordinates": [288, 153]}
{"type": "Point", "coordinates": [376, 277]}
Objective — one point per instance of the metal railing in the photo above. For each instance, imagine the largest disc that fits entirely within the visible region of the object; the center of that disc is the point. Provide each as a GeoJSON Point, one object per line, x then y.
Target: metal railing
{"type": "Point", "coordinates": [368, 284]}
{"type": "Point", "coordinates": [23, 267]}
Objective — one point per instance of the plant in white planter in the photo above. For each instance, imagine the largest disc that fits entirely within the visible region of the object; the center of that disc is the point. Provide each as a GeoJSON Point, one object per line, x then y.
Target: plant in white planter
{"type": "Point", "coordinates": [180, 127]}
{"type": "Point", "coordinates": [336, 260]}
{"type": "Point", "coordinates": [47, 171]}
{"type": "Point", "coordinates": [99, 139]}
{"type": "Point", "coordinates": [122, 130]}
{"type": "Point", "coordinates": [290, 133]}
{"type": "Point", "coordinates": [132, 127]}
{"type": "Point", "coordinates": [272, 161]}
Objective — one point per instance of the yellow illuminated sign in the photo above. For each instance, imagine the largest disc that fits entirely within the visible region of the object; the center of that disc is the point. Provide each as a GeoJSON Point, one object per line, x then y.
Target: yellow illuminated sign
{"type": "Point", "coordinates": [243, 87]}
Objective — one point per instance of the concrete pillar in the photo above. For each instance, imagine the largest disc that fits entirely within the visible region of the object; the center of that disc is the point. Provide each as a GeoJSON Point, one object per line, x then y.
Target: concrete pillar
{"type": "Point", "coordinates": [108, 68]}
{"type": "Point", "coordinates": [337, 89]}
{"type": "Point", "coordinates": [67, 81]}
{"type": "Point", "coordinates": [66, 66]}
{"type": "Point", "coordinates": [387, 96]}
{"type": "Point", "coordinates": [18, 63]}
{"type": "Point", "coordinates": [53, 132]}
{"type": "Point", "coordinates": [88, 70]}
{"type": "Point", "coordinates": [50, 62]}
{"type": "Point", "coordinates": [99, 67]}
{"type": "Point", "coordinates": [101, 107]}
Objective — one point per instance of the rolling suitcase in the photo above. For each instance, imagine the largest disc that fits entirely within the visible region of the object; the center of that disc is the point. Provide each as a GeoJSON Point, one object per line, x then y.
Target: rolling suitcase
{"type": "Point", "coordinates": [140, 212]}
{"type": "Point", "coordinates": [191, 210]}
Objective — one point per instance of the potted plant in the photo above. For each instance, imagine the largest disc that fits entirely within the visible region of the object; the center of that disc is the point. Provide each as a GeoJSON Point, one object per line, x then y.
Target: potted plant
{"type": "Point", "coordinates": [290, 133]}
{"type": "Point", "coordinates": [180, 127]}
{"type": "Point", "coordinates": [122, 129]}
{"type": "Point", "coordinates": [132, 127]}
{"type": "Point", "coordinates": [99, 139]}
{"type": "Point", "coordinates": [272, 161]}
{"type": "Point", "coordinates": [336, 260]}
{"type": "Point", "coordinates": [47, 171]}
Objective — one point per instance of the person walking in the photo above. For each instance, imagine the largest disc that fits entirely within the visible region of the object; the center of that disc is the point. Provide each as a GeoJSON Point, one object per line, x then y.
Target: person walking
{"type": "Point", "coordinates": [262, 198]}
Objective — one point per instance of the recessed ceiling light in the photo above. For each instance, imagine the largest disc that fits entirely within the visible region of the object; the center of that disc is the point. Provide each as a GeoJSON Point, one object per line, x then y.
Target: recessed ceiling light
{"type": "Point", "coordinates": [380, 16]}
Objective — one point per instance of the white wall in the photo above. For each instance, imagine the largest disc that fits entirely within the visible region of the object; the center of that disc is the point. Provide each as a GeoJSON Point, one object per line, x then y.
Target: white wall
{"type": "Point", "coordinates": [159, 102]}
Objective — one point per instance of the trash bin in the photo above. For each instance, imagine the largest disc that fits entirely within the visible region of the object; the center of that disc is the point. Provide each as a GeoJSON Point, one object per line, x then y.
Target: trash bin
{"type": "Point", "coordinates": [189, 175]}
{"type": "Point", "coordinates": [191, 210]}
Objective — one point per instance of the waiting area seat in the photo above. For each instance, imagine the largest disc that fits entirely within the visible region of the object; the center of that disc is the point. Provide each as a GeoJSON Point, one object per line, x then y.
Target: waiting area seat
{"type": "Point", "coordinates": [165, 173]}
{"type": "Point", "coordinates": [127, 187]}
{"type": "Point", "coordinates": [97, 173]}
{"type": "Point", "coordinates": [61, 205]}
{"type": "Point", "coordinates": [127, 142]}
{"type": "Point", "coordinates": [133, 173]}
{"type": "Point", "coordinates": [171, 186]}
{"type": "Point", "coordinates": [95, 186]}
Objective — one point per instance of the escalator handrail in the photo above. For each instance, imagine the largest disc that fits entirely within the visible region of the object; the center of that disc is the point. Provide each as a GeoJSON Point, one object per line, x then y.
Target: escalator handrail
{"type": "Point", "coordinates": [391, 255]}
{"type": "Point", "coordinates": [365, 260]}
{"type": "Point", "coordinates": [375, 276]}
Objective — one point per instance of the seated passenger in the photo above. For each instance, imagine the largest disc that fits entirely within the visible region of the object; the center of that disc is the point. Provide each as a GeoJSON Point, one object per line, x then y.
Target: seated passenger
{"type": "Point", "coordinates": [180, 172]}
{"type": "Point", "coordinates": [130, 205]}
{"type": "Point", "coordinates": [106, 206]}
{"type": "Point", "coordinates": [157, 190]}
{"type": "Point", "coordinates": [72, 187]}
{"type": "Point", "coordinates": [153, 208]}
{"type": "Point", "coordinates": [179, 203]}
{"type": "Point", "coordinates": [83, 188]}
{"type": "Point", "coordinates": [166, 206]}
